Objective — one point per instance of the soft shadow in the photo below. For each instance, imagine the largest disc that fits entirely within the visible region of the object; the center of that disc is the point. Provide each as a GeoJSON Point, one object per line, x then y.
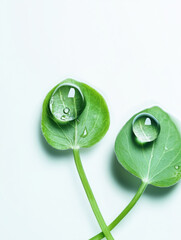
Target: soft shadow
{"type": "Point", "coordinates": [158, 191]}
{"type": "Point", "coordinates": [130, 182]}
{"type": "Point", "coordinates": [56, 154]}
{"type": "Point", "coordinates": [122, 176]}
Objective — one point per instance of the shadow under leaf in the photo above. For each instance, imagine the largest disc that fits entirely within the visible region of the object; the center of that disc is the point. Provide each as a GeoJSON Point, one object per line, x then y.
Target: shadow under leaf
{"type": "Point", "coordinates": [55, 153]}
{"type": "Point", "coordinates": [130, 182]}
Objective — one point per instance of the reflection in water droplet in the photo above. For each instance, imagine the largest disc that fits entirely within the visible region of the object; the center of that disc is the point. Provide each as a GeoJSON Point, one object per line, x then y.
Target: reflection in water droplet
{"type": "Point", "coordinates": [148, 121]}
{"type": "Point", "coordinates": [85, 133]}
{"type": "Point", "coordinates": [51, 101]}
{"type": "Point", "coordinates": [66, 103]}
{"type": "Point", "coordinates": [71, 93]}
{"type": "Point", "coordinates": [66, 110]}
{"type": "Point", "coordinates": [63, 117]}
{"type": "Point", "coordinates": [176, 167]}
{"type": "Point", "coordinates": [166, 148]}
{"type": "Point", "coordinates": [146, 127]}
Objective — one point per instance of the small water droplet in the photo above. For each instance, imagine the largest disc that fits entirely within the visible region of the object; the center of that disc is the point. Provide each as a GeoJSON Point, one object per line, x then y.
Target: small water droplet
{"type": "Point", "coordinates": [85, 133]}
{"type": "Point", "coordinates": [66, 103]}
{"type": "Point", "coordinates": [176, 167]}
{"type": "Point", "coordinates": [146, 127]}
{"type": "Point", "coordinates": [166, 148]}
{"type": "Point", "coordinates": [66, 110]}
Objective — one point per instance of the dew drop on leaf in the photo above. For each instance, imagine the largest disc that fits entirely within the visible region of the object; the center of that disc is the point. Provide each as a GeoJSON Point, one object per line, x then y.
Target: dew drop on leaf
{"type": "Point", "coordinates": [66, 103]}
{"type": "Point", "coordinates": [176, 167]}
{"type": "Point", "coordinates": [85, 133]}
{"type": "Point", "coordinates": [146, 127]}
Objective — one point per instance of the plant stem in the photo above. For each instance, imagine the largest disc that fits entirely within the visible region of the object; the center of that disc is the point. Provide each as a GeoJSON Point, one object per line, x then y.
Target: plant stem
{"type": "Point", "coordinates": [90, 196]}
{"type": "Point", "coordinates": [124, 212]}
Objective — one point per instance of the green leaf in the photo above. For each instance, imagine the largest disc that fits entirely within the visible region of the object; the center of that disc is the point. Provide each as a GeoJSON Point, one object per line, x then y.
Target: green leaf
{"type": "Point", "coordinates": [157, 162]}
{"type": "Point", "coordinates": [85, 119]}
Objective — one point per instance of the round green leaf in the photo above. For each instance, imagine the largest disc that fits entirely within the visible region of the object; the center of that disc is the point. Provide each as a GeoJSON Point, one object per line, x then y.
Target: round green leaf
{"type": "Point", "coordinates": [88, 126]}
{"type": "Point", "coordinates": [158, 162]}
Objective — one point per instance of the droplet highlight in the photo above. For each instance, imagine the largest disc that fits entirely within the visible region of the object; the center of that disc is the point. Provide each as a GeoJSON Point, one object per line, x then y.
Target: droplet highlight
{"type": "Point", "coordinates": [66, 103]}
{"type": "Point", "coordinates": [71, 93]}
{"type": "Point", "coordinates": [145, 127]}
{"type": "Point", "coordinates": [176, 167]}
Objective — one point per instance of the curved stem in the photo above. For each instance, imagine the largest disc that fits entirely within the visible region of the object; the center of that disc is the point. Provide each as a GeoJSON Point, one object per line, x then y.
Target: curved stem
{"type": "Point", "coordinates": [124, 212]}
{"type": "Point", "coordinates": [90, 196]}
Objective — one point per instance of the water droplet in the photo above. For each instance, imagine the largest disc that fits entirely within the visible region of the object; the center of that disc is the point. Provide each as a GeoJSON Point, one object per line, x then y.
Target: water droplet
{"type": "Point", "coordinates": [145, 127]}
{"type": "Point", "coordinates": [66, 103]}
{"type": "Point", "coordinates": [66, 110]}
{"type": "Point", "coordinates": [166, 148]}
{"type": "Point", "coordinates": [85, 133]}
{"type": "Point", "coordinates": [176, 167]}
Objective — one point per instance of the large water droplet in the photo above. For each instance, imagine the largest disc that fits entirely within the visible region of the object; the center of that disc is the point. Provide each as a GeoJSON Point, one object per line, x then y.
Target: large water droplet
{"type": "Point", "coordinates": [145, 127]}
{"type": "Point", "coordinates": [66, 103]}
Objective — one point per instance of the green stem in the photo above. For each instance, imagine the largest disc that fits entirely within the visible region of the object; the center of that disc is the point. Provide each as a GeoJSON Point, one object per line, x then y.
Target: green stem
{"type": "Point", "coordinates": [90, 196]}
{"type": "Point", "coordinates": [124, 212]}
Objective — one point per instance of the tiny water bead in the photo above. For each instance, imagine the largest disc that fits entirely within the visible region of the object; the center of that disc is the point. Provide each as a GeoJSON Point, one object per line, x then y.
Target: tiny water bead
{"type": "Point", "coordinates": [66, 103]}
{"type": "Point", "coordinates": [146, 127]}
{"type": "Point", "coordinates": [176, 167]}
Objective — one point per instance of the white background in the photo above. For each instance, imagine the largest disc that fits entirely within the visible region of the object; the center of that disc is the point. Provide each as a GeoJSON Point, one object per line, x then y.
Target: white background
{"type": "Point", "coordinates": [130, 51]}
